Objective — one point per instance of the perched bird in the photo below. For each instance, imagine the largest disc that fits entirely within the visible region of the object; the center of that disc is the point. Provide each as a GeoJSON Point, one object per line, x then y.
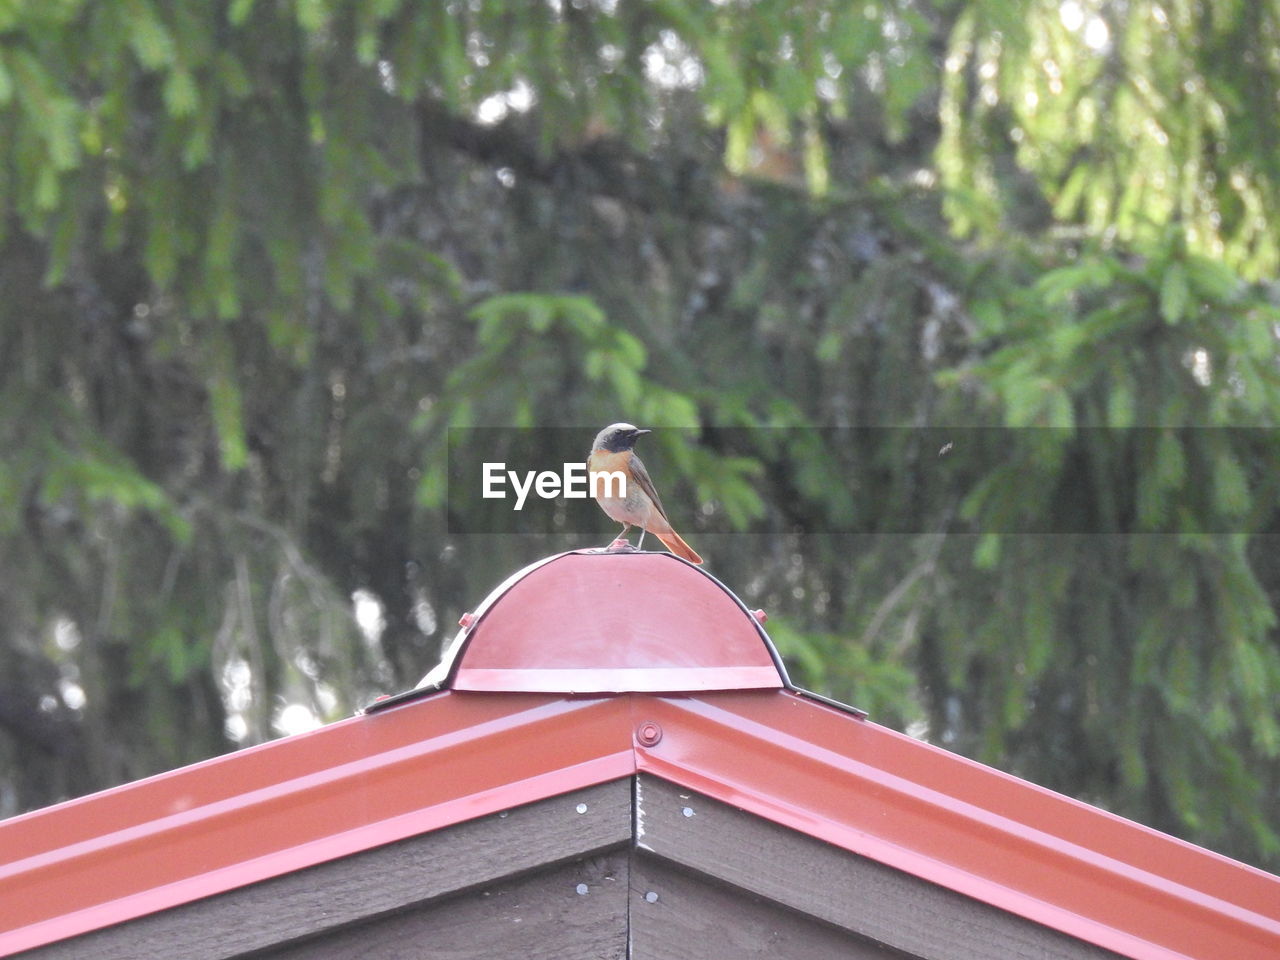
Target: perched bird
{"type": "Point", "coordinates": [613, 451]}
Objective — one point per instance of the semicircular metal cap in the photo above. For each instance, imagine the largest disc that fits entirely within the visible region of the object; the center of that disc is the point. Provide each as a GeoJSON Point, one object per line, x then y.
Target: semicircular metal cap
{"type": "Point", "coordinates": [593, 622]}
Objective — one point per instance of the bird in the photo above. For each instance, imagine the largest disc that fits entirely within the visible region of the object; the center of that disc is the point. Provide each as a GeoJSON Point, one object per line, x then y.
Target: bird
{"type": "Point", "coordinates": [613, 450]}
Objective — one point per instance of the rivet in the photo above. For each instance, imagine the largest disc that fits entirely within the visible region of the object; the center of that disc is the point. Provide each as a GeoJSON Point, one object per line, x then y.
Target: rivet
{"type": "Point", "coordinates": [760, 616]}
{"type": "Point", "coordinates": [651, 896]}
{"type": "Point", "coordinates": [687, 811]}
{"type": "Point", "coordinates": [581, 808]}
{"type": "Point", "coordinates": [466, 620]}
{"type": "Point", "coordinates": [649, 733]}
{"type": "Point", "coordinates": [582, 889]}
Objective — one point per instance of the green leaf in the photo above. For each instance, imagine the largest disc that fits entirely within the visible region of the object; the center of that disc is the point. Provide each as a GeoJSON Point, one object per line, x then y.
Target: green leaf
{"type": "Point", "coordinates": [582, 314]}
{"type": "Point", "coordinates": [986, 555]}
{"type": "Point", "coordinates": [667, 408]}
{"type": "Point", "coordinates": [816, 172]}
{"type": "Point", "coordinates": [239, 12]}
{"type": "Point", "coordinates": [180, 96]}
{"type": "Point", "coordinates": [1061, 412]}
{"type": "Point", "coordinates": [61, 132]}
{"type": "Point", "coordinates": [160, 254]}
{"type": "Point", "coordinates": [149, 38]}
{"type": "Point", "coordinates": [1259, 329]}
{"type": "Point", "coordinates": [312, 15]}
{"type": "Point", "coordinates": [1230, 488]}
{"type": "Point", "coordinates": [1121, 405]}
{"type": "Point", "coordinates": [1250, 668]}
{"type": "Point", "coordinates": [61, 248]}
{"type": "Point", "coordinates": [539, 313]}
{"type": "Point", "coordinates": [48, 189]}
{"type": "Point", "coordinates": [989, 314]}
{"type": "Point", "coordinates": [626, 383]}
{"type": "Point", "coordinates": [231, 73]}
{"type": "Point", "coordinates": [1057, 285]}
{"type": "Point", "coordinates": [367, 46]}
{"type": "Point", "coordinates": [739, 134]}
{"type": "Point", "coordinates": [594, 363]}
{"type": "Point", "coordinates": [1211, 279]}
{"type": "Point", "coordinates": [1152, 503]}
{"type": "Point", "coordinates": [434, 484]}
{"type": "Point", "coordinates": [630, 350]}
{"type": "Point", "coordinates": [1175, 293]}
{"type": "Point", "coordinates": [228, 421]}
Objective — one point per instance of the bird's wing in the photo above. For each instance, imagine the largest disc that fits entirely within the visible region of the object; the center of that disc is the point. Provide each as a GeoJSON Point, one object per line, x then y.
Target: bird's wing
{"type": "Point", "coordinates": [641, 476]}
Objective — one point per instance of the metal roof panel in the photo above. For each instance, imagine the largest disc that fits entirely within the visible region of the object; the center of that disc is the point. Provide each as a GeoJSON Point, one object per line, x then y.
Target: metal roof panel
{"type": "Point", "coordinates": [596, 622]}
{"type": "Point", "coordinates": [456, 755]}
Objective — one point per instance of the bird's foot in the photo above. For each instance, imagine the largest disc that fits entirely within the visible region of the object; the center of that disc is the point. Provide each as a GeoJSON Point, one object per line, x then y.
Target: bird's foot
{"type": "Point", "coordinates": [621, 545]}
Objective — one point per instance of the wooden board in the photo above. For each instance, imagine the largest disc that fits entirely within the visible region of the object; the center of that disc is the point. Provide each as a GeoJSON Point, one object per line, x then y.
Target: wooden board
{"type": "Point", "coordinates": [411, 872]}
{"type": "Point", "coordinates": [832, 885]}
{"type": "Point", "coordinates": [577, 911]}
{"type": "Point", "coordinates": [679, 915]}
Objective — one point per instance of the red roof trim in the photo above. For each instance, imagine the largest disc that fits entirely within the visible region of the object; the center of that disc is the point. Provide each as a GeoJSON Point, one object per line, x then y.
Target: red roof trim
{"type": "Point", "coordinates": [975, 830]}
{"type": "Point", "coordinates": [187, 835]}
{"type": "Point", "coordinates": [455, 755]}
{"type": "Point", "coordinates": [629, 679]}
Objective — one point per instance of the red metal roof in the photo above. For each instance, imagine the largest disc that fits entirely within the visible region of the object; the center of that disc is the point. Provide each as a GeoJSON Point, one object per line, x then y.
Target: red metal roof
{"type": "Point", "coordinates": [452, 755]}
{"type": "Point", "coordinates": [591, 622]}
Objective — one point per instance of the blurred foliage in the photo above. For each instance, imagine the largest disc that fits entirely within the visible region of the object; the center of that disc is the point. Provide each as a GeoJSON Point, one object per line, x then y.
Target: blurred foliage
{"type": "Point", "coordinates": [257, 256]}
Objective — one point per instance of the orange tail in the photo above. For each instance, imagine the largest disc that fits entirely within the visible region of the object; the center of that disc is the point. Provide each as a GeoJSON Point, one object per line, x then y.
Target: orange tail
{"type": "Point", "coordinates": [678, 546]}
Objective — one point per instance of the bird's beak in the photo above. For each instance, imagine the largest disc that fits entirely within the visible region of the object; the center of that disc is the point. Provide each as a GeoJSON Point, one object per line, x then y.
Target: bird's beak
{"type": "Point", "coordinates": [642, 432]}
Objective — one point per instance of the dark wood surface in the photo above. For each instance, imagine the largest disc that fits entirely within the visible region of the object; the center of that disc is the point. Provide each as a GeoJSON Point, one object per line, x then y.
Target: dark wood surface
{"type": "Point", "coordinates": [679, 915]}
{"type": "Point", "coordinates": [388, 878]}
{"type": "Point", "coordinates": [858, 895]}
{"type": "Point", "coordinates": [536, 916]}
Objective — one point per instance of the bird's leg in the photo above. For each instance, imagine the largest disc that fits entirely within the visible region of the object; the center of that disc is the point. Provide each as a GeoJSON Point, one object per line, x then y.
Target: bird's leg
{"type": "Point", "coordinates": [621, 542]}
{"type": "Point", "coordinates": [643, 531]}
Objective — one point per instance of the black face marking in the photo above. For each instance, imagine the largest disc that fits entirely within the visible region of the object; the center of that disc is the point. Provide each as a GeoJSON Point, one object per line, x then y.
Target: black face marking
{"type": "Point", "coordinates": [619, 440]}
{"type": "Point", "coordinates": [624, 438]}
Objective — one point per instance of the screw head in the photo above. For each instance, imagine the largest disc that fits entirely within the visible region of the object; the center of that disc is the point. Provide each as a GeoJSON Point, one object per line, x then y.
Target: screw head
{"type": "Point", "coordinates": [466, 620]}
{"type": "Point", "coordinates": [649, 733]}
{"type": "Point", "coordinates": [760, 616]}
{"type": "Point", "coordinates": [651, 896]}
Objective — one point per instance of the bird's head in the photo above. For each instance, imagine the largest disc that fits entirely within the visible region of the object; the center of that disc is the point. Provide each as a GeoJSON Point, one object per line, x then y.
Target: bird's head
{"type": "Point", "coordinates": [617, 437]}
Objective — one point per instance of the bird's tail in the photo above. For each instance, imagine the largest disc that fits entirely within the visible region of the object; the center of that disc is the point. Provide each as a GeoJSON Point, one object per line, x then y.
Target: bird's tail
{"type": "Point", "coordinates": [677, 546]}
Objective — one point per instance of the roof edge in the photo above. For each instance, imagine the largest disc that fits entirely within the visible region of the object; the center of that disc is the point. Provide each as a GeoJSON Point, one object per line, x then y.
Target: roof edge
{"type": "Point", "coordinates": [655, 680]}
{"type": "Point", "coordinates": [360, 783]}
{"type": "Point", "coordinates": [970, 828]}
{"type": "Point", "coordinates": [308, 799]}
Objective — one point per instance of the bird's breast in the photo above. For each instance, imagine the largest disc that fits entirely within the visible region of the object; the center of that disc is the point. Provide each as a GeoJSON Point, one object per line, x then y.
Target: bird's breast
{"type": "Point", "coordinates": [607, 461]}
{"type": "Point", "coordinates": [632, 508]}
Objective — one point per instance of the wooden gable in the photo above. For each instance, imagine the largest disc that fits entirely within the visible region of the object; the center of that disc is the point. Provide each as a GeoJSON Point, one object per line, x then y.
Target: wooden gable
{"type": "Point", "coordinates": [637, 867]}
